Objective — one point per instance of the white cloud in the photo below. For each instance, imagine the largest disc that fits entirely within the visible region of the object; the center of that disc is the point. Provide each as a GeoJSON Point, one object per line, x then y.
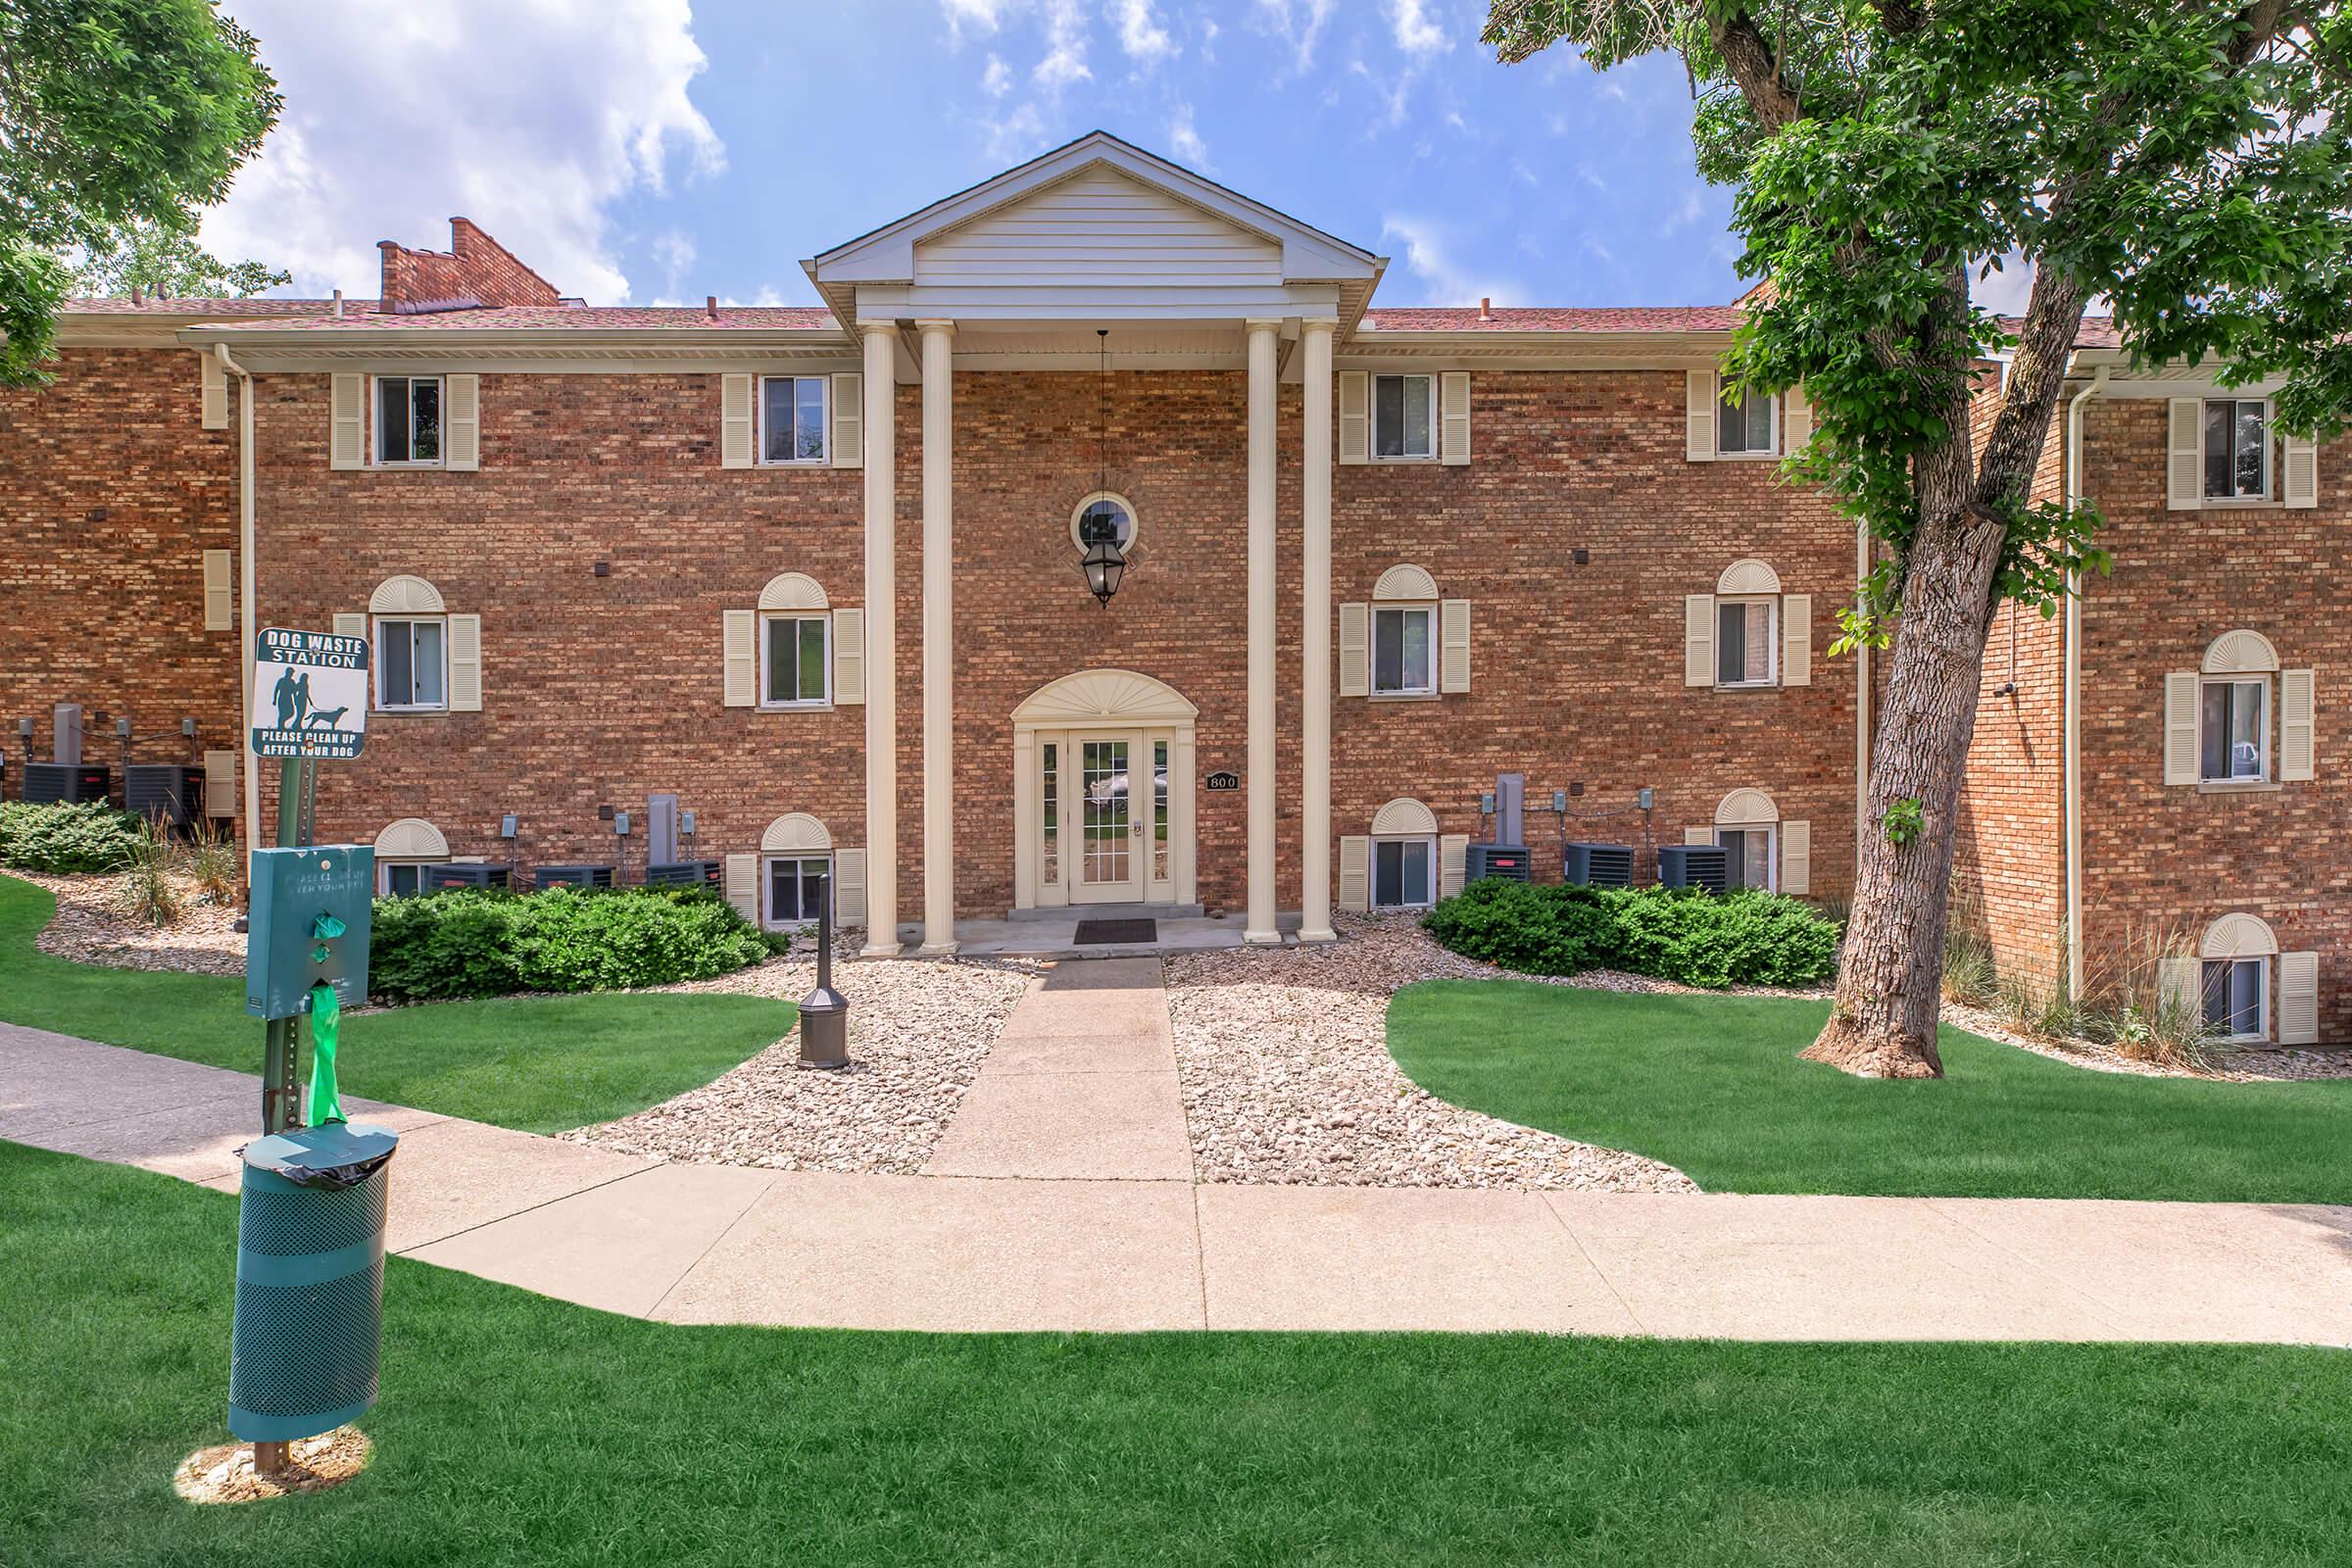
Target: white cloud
{"type": "Point", "coordinates": [981, 16]}
{"type": "Point", "coordinates": [1184, 140]}
{"type": "Point", "coordinates": [532, 128]}
{"type": "Point", "coordinates": [1416, 33]}
{"type": "Point", "coordinates": [675, 252]}
{"type": "Point", "coordinates": [1064, 60]}
{"type": "Point", "coordinates": [997, 80]}
{"type": "Point", "coordinates": [1016, 136]}
{"type": "Point", "coordinates": [1429, 258]}
{"type": "Point", "coordinates": [1690, 210]}
{"type": "Point", "coordinates": [1141, 35]}
{"type": "Point", "coordinates": [1298, 26]}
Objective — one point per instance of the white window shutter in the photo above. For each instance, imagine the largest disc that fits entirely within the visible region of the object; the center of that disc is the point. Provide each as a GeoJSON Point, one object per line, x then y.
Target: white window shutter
{"type": "Point", "coordinates": [2297, 726]}
{"type": "Point", "coordinates": [1796, 420]}
{"type": "Point", "coordinates": [1698, 639]}
{"type": "Point", "coordinates": [2299, 470]}
{"type": "Point", "coordinates": [347, 409]}
{"type": "Point", "coordinates": [463, 405]}
{"type": "Point", "coordinates": [1453, 645]}
{"type": "Point", "coordinates": [735, 424]}
{"type": "Point", "coordinates": [1797, 857]}
{"type": "Point", "coordinates": [849, 886]}
{"type": "Point", "coordinates": [464, 663]}
{"type": "Point", "coordinates": [848, 392]}
{"type": "Point", "coordinates": [1453, 417]}
{"type": "Point", "coordinates": [213, 400]}
{"type": "Point", "coordinates": [2181, 727]}
{"type": "Point", "coordinates": [1796, 639]}
{"type": "Point", "coordinates": [2185, 456]}
{"type": "Point", "coordinates": [2179, 982]}
{"type": "Point", "coordinates": [350, 623]}
{"type": "Point", "coordinates": [1698, 419]}
{"type": "Point", "coordinates": [1355, 873]}
{"type": "Point", "coordinates": [1701, 836]}
{"type": "Point", "coordinates": [738, 659]}
{"type": "Point", "coordinates": [743, 885]}
{"type": "Point", "coordinates": [1355, 417]}
{"type": "Point", "coordinates": [2298, 999]}
{"type": "Point", "coordinates": [1355, 649]}
{"type": "Point", "coordinates": [1453, 856]}
{"type": "Point", "coordinates": [221, 783]}
{"type": "Point", "coordinates": [220, 591]}
{"type": "Point", "coordinates": [849, 657]}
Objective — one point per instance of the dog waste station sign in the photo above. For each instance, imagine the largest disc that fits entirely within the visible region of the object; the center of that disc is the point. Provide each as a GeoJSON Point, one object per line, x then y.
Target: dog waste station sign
{"type": "Point", "coordinates": [310, 694]}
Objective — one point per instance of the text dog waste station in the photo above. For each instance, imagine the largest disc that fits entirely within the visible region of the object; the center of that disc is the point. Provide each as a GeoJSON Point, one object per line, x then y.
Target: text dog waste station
{"type": "Point", "coordinates": [303, 1351]}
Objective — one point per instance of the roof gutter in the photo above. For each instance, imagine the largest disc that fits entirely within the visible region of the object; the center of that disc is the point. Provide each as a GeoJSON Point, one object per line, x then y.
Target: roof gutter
{"type": "Point", "coordinates": [245, 555]}
{"type": "Point", "coordinates": [2073, 806]}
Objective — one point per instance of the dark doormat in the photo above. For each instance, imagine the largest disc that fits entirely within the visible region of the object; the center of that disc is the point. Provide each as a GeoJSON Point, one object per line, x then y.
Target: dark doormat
{"type": "Point", "coordinates": [1095, 933]}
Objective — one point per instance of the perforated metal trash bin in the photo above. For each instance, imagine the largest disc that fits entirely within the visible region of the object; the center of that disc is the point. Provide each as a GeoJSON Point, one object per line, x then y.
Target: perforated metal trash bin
{"type": "Point", "coordinates": [310, 1281]}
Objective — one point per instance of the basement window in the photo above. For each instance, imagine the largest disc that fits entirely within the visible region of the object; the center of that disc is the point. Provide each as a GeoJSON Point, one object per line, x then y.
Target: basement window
{"type": "Point", "coordinates": [1401, 421]}
{"type": "Point", "coordinates": [408, 421]}
{"type": "Point", "coordinates": [2237, 998]}
{"type": "Point", "coordinates": [791, 418]}
{"type": "Point", "coordinates": [1403, 873]}
{"type": "Point", "coordinates": [412, 665]}
{"type": "Point", "coordinates": [796, 888]}
{"type": "Point", "coordinates": [1746, 857]}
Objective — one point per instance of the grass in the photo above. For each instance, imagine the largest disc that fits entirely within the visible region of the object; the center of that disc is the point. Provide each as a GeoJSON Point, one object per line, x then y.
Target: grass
{"type": "Point", "coordinates": [1712, 1086]}
{"type": "Point", "coordinates": [539, 1064]}
{"type": "Point", "coordinates": [515, 1429]}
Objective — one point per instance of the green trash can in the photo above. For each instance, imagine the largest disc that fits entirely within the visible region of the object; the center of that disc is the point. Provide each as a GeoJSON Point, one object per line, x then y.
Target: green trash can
{"type": "Point", "coordinates": [302, 1354]}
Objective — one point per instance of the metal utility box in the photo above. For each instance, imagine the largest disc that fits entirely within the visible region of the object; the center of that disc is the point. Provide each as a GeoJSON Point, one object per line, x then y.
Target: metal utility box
{"type": "Point", "coordinates": [1693, 866]}
{"type": "Point", "coordinates": [682, 873]}
{"type": "Point", "coordinates": [74, 783]}
{"type": "Point", "coordinates": [172, 793]}
{"type": "Point", "coordinates": [1600, 866]}
{"type": "Point", "coordinates": [309, 922]}
{"type": "Point", "coordinates": [464, 874]}
{"type": "Point", "coordinates": [575, 876]}
{"type": "Point", "coordinates": [304, 1349]}
{"type": "Point", "coordinates": [1506, 860]}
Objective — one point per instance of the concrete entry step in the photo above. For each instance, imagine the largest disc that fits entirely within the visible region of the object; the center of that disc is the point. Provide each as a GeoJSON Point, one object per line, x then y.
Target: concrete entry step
{"type": "Point", "coordinates": [1104, 912]}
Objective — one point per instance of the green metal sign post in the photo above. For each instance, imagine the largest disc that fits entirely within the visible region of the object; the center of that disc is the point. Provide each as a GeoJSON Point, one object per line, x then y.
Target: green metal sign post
{"type": "Point", "coordinates": [281, 1095]}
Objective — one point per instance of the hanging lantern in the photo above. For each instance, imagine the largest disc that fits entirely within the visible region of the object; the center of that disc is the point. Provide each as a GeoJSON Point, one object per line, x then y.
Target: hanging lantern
{"type": "Point", "coordinates": [1104, 564]}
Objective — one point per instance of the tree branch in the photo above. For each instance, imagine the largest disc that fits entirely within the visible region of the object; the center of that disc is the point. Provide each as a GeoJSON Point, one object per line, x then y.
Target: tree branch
{"type": "Point", "coordinates": [1750, 59]}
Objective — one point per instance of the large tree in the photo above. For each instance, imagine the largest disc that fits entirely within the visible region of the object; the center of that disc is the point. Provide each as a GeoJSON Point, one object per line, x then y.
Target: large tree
{"type": "Point", "coordinates": [2185, 162]}
{"type": "Point", "coordinates": [167, 261]}
{"type": "Point", "coordinates": [114, 114]}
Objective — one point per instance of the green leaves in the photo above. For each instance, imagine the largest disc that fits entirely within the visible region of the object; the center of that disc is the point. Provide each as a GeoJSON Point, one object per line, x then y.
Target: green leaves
{"type": "Point", "coordinates": [1904, 820]}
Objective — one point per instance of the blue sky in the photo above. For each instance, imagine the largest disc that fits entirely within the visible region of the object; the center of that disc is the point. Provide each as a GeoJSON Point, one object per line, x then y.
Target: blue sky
{"type": "Point", "coordinates": [638, 151]}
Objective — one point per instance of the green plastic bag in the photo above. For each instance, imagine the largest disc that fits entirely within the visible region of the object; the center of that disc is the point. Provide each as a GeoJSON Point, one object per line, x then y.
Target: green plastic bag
{"type": "Point", "coordinates": [327, 1022]}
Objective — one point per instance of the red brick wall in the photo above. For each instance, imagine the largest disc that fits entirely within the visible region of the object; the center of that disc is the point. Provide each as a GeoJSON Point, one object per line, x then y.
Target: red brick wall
{"type": "Point", "coordinates": [110, 491]}
{"type": "Point", "coordinates": [2159, 858]}
{"type": "Point", "coordinates": [475, 267]}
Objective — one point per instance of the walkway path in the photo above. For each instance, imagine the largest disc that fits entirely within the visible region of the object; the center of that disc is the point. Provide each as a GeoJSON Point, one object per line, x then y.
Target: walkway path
{"type": "Point", "coordinates": [1061, 1198]}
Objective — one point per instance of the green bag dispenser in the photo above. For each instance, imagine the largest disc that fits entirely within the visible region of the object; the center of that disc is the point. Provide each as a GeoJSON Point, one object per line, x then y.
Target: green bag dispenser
{"type": "Point", "coordinates": [310, 1281]}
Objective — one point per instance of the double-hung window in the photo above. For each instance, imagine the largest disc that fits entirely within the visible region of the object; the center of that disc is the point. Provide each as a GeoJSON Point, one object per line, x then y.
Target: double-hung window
{"type": "Point", "coordinates": [791, 418]}
{"type": "Point", "coordinates": [2238, 449]}
{"type": "Point", "coordinates": [1403, 651]}
{"type": "Point", "coordinates": [408, 421]}
{"type": "Point", "coordinates": [1403, 873]}
{"type": "Point", "coordinates": [1746, 641]}
{"type": "Point", "coordinates": [412, 665]}
{"type": "Point", "coordinates": [1745, 427]}
{"type": "Point", "coordinates": [796, 887]}
{"type": "Point", "coordinates": [2233, 731]}
{"type": "Point", "coordinates": [2237, 1002]}
{"type": "Point", "coordinates": [1404, 416]}
{"type": "Point", "coordinates": [794, 664]}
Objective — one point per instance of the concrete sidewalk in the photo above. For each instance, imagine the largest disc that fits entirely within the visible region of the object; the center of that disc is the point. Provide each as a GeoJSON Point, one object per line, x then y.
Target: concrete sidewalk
{"type": "Point", "coordinates": [696, 1243]}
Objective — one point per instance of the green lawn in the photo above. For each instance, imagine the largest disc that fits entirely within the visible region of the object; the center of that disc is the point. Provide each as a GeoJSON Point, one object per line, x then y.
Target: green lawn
{"type": "Point", "coordinates": [1712, 1086]}
{"type": "Point", "coordinates": [515, 1429]}
{"type": "Point", "coordinates": [538, 1063]}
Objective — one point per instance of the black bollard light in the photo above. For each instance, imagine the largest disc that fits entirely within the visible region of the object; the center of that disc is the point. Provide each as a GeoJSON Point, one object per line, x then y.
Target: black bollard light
{"type": "Point", "coordinates": [824, 1011]}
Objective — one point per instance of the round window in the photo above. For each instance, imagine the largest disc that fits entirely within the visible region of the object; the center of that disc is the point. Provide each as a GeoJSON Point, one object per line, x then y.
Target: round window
{"type": "Point", "coordinates": [1104, 515]}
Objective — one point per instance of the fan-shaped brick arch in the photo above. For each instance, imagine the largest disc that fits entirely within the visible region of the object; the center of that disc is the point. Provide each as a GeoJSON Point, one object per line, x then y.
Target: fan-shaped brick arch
{"type": "Point", "coordinates": [405, 596]}
{"type": "Point", "coordinates": [1748, 577]}
{"type": "Point", "coordinates": [792, 590]}
{"type": "Point", "coordinates": [795, 832]}
{"type": "Point", "coordinates": [1405, 582]}
{"type": "Point", "coordinates": [1404, 817]}
{"type": "Point", "coordinates": [2241, 653]}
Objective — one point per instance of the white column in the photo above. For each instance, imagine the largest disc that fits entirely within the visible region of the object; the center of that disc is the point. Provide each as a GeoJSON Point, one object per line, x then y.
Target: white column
{"type": "Point", "coordinates": [1260, 926]}
{"type": "Point", "coordinates": [939, 637]}
{"type": "Point", "coordinates": [881, 642]}
{"type": "Point", "coordinates": [1314, 641]}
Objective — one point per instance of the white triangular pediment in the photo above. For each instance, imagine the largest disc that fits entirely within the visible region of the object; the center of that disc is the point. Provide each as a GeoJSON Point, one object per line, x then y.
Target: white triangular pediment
{"type": "Point", "coordinates": [1100, 226]}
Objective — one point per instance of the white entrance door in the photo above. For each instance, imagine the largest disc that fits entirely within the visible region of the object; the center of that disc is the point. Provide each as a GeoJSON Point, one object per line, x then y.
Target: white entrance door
{"type": "Point", "coordinates": [1113, 853]}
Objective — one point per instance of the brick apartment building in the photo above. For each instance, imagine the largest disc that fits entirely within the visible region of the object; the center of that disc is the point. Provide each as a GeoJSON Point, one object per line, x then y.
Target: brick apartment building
{"type": "Point", "coordinates": [801, 589]}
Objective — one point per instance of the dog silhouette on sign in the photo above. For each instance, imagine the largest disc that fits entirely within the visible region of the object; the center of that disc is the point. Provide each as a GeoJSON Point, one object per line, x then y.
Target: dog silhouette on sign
{"type": "Point", "coordinates": [327, 717]}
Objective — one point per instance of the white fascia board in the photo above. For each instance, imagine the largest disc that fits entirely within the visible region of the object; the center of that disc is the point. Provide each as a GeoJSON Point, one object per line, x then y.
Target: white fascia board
{"type": "Point", "coordinates": [1058, 303]}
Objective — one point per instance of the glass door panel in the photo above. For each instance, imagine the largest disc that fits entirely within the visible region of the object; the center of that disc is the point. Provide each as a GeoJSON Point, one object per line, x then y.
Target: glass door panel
{"type": "Point", "coordinates": [1106, 860]}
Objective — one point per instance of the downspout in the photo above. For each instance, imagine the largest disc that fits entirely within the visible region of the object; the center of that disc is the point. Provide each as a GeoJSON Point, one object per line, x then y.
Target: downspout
{"type": "Point", "coordinates": [2073, 805]}
{"type": "Point", "coordinates": [245, 554]}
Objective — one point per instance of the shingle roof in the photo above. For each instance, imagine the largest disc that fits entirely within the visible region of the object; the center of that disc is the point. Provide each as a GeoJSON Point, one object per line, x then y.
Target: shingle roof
{"type": "Point", "coordinates": [579, 317]}
{"type": "Point", "coordinates": [1557, 318]}
{"type": "Point", "coordinates": [211, 310]}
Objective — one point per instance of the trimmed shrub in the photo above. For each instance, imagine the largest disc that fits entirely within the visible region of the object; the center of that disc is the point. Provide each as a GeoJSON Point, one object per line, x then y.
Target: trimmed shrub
{"type": "Point", "coordinates": [471, 943]}
{"type": "Point", "coordinates": [65, 839]}
{"type": "Point", "coordinates": [1694, 939]}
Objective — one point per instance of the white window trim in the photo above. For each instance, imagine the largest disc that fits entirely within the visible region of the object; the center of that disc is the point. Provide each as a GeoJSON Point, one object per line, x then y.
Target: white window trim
{"type": "Point", "coordinates": [1772, 641]}
{"type": "Point", "coordinates": [824, 423]}
{"type": "Point", "coordinates": [1772, 850]}
{"type": "Point", "coordinates": [1372, 870]}
{"type": "Point", "coordinates": [384, 869]}
{"type": "Point", "coordinates": [2262, 994]}
{"type": "Point", "coordinates": [1406, 693]}
{"type": "Point", "coordinates": [1772, 449]}
{"type": "Point", "coordinates": [1436, 418]}
{"type": "Point", "coordinates": [376, 412]}
{"type": "Point", "coordinates": [2269, 466]}
{"type": "Point", "coordinates": [768, 618]}
{"type": "Point", "coordinates": [767, 888]}
{"type": "Point", "coordinates": [2243, 678]}
{"type": "Point", "coordinates": [1135, 522]}
{"type": "Point", "coordinates": [375, 644]}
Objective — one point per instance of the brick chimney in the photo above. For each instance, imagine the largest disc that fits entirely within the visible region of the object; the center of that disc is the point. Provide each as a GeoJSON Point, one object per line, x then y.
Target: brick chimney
{"type": "Point", "coordinates": [475, 272]}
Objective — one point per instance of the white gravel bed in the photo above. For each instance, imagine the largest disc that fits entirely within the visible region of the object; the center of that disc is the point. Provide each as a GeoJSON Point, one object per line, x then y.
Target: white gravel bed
{"type": "Point", "coordinates": [2228, 1064]}
{"type": "Point", "coordinates": [1287, 1079]}
{"type": "Point", "coordinates": [91, 929]}
{"type": "Point", "coordinates": [918, 1030]}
